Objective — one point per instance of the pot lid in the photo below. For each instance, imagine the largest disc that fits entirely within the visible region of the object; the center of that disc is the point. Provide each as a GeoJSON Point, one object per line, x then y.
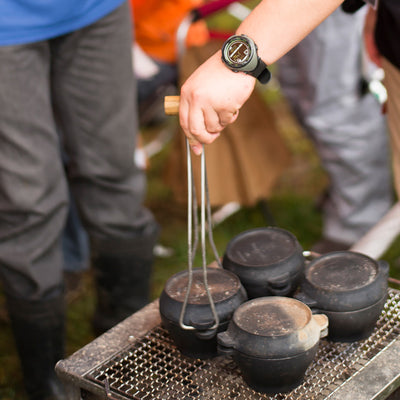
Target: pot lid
{"type": "Point", "coordinates": [272, 316]}
{"type": "Point", "coordinates": [222, 284]}
{"type": "Point", "coordinates": [342, 271]}
{"type": "Point", "coordinates": [262, 246]}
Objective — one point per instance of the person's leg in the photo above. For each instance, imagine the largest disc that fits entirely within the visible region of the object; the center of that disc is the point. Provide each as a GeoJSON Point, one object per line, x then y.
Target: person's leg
{"type": "Point", "coordinates": [39, 331]}
{"type": "Point", "coordinates": [75, 242]}
{"type": "Point", "coordinates": [75, 249]}
{"type": "Point", "coordinates": [321, 78]}
{"type": "Point", "coordinates": [392, 83]}
{"type": "Point", "coordinates": [95, 98]}
{"type": "Point", "coordinates": [33, 203]}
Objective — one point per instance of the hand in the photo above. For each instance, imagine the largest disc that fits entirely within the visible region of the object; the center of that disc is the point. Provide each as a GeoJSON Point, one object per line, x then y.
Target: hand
{"type": "Point", "coordinates": [210, 100]}
{"type": "Point", "coordinates": [369, 37]}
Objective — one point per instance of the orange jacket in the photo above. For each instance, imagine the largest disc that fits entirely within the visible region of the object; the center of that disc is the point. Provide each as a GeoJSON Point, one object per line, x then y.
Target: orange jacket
{"type": "Point", "coordinates": [156, 23]}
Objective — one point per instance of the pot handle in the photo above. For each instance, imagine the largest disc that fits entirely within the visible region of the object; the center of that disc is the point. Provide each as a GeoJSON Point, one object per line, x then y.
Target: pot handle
{"type": "Point", "coordinates": [280, 284]}
{"type": "Point", "coordinates": [310, 255]}
{"type": "Point", "coordinates": [202, 328]}
{"type": "Point", "coordinates": [323, 322]}
{"type": "Point", "coordinates": [226, 344]}
{"type": "Point", "coordinates": [306, 300]}
{"type": "Point", "coordinates": [207, 334]}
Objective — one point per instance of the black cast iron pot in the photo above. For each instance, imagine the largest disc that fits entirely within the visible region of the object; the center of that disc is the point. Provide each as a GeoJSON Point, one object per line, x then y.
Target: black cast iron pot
{"type": "Point", "coordinates": [268, 261]}
{"type": "Point", "coordinates": [227, 293]}
{"type": "Point", "coordinates": [273, 340]}
{"type": "Point", "coordinates": [350, 288]}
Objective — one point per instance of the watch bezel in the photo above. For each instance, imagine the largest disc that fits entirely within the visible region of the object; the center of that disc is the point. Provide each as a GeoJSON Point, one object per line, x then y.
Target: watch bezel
{"type": "Point", "coordinates": [250, 64]}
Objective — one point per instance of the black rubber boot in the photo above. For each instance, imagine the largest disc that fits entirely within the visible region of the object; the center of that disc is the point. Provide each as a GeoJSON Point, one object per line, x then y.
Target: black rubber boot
{"type": "Point", "coordinates": [38, 328]}
{"type": "Point", "coordinates": [122, 271]}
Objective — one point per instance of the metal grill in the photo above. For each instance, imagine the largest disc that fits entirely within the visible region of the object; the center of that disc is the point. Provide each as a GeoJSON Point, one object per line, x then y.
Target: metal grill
{"type": "Point", "coordinates": [153, 368]}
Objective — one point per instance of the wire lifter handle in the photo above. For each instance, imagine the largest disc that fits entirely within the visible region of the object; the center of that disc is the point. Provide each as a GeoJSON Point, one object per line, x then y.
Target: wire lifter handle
{"type": "Point", "coordinates": [192, 202]}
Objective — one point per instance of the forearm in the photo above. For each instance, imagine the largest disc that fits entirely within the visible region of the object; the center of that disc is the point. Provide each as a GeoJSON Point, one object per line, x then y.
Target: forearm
{"type": "Point", "coordinates": [278, 25]}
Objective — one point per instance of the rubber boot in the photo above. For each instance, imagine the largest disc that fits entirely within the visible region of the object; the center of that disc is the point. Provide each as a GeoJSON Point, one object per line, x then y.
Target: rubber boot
{"type": "Point", "coordinates": [38, 328]}
{"type": "Point", "coordinates": [122, 271]}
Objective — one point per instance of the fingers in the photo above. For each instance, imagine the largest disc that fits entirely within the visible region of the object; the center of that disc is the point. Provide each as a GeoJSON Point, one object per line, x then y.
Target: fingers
{"type": "Point", "coordinates": [228, 117]}
{"type": "Point", "coordinates": [192, 122]}
{"type": "Point", "coordinates": [203, 125]}
{"type": "Point", "coordinates": [212, 123]}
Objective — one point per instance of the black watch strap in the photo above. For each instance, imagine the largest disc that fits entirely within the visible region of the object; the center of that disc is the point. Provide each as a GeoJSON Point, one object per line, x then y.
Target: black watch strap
{"type": "Point", "coordinates": [262, 73]}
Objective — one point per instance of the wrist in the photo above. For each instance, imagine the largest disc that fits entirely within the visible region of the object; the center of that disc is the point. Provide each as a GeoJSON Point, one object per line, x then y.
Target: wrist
{"type": "Point", "coordinates": [239, 54]}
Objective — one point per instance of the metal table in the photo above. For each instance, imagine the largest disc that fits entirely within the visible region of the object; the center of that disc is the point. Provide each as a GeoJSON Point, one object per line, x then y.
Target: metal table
{"type": "Point", "coordinates": [138, 360]}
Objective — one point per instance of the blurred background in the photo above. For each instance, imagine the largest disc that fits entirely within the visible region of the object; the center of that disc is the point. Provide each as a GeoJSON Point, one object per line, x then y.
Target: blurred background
{"type": "Point", "coordinates": [292, 202]}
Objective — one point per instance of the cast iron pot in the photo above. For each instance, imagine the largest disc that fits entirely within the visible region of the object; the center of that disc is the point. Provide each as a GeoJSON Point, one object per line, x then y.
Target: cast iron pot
{"type": "Point", "coordinates": [350, 288]}
{"type": "Point", "coordinates": [273, 341]}
{"type": "Point", "coordinates": [227, 293]}
{"type": "Point", "coordinates": [268, 261]}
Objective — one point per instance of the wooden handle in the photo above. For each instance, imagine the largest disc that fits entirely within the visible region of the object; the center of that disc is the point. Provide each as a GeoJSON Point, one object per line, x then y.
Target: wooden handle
{"type": "Point", "coordinates": [171, 105]}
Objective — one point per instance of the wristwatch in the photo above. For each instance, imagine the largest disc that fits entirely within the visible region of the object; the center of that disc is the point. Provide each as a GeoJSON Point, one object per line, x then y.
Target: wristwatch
{"type": "Point", "coordinates": [239, 54]}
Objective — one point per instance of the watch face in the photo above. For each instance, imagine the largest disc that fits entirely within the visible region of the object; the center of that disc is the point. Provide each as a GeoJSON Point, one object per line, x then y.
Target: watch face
{"type": "Point", "coordinates": [237, 51]}
{"type": "Point", "coordinates": [239, 54]}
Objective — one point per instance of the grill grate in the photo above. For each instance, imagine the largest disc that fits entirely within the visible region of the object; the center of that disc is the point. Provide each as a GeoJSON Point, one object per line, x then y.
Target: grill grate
{"type": "Point", "coordinates": [152, 367]}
